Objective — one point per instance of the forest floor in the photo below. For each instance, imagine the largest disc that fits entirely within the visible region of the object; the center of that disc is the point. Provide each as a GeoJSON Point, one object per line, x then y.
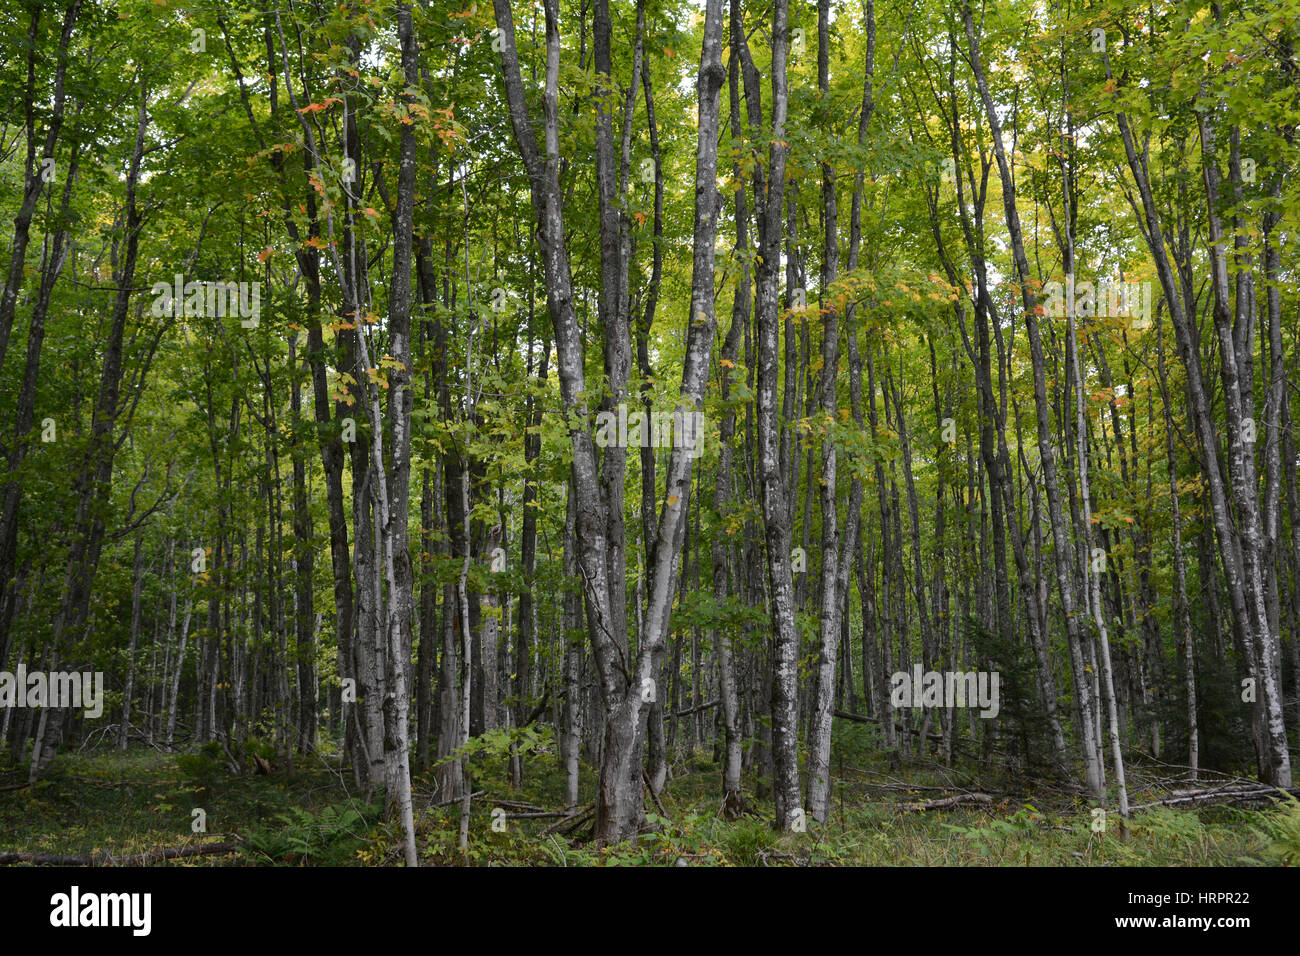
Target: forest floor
{"type": "Point", "coordinates": [110, 806]}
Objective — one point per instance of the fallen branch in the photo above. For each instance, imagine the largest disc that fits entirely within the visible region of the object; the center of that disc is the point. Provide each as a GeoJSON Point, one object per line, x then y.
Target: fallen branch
{"type": "Point", "coordinates": [903, 787]}
{"type": "Point", "coordinates": [765, 855]}
{"type": "Point", "coordinates": [541, 707]}
{"type": "Point", "coordinates": [451, 800]}
{"type": "Point", "coordinates": [571, 821]}
{"type": "Point", "coordinates": [645, 777]}
{"type": "Point", "coordinates": [946, 803]}
{"type": "Point", "coordinates": [690, 710]}
{"type": "Point", "coordinates": [862, 719]}
{"type": "Point", "coordinates": [514, 805]}
{"type": "Point", "coordinates": [1239, 793]}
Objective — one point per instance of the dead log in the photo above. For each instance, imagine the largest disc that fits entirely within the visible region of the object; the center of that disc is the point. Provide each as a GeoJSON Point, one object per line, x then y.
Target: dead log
{"type": "Point", "coordinates": [130, 859]}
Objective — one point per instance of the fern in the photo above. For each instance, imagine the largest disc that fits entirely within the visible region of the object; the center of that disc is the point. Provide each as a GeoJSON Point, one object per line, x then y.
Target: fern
{"type": "Point", "coordinates": [1280, 830]}
{"type": "Point", "coordinates": [307, 837]}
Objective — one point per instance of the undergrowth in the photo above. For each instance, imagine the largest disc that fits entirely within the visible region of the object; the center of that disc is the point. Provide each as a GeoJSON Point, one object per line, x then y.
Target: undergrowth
{"type": "Point", "coordinates": [137, 800]}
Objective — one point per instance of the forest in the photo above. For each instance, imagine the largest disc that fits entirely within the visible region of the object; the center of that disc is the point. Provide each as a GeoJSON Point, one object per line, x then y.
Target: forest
{"type": "Point", "coordinates": [649, 432]}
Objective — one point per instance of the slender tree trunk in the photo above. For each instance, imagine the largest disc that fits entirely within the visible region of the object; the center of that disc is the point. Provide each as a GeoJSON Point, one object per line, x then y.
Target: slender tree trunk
{"type": "Point", "coordinates": [1182, 615]}
{"type": "Point", "coordinates": [819, 739]}
{"type": "Point", "coordinates": [571, 728]}
{"type": "Point", "coordinates": [137, 585]}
